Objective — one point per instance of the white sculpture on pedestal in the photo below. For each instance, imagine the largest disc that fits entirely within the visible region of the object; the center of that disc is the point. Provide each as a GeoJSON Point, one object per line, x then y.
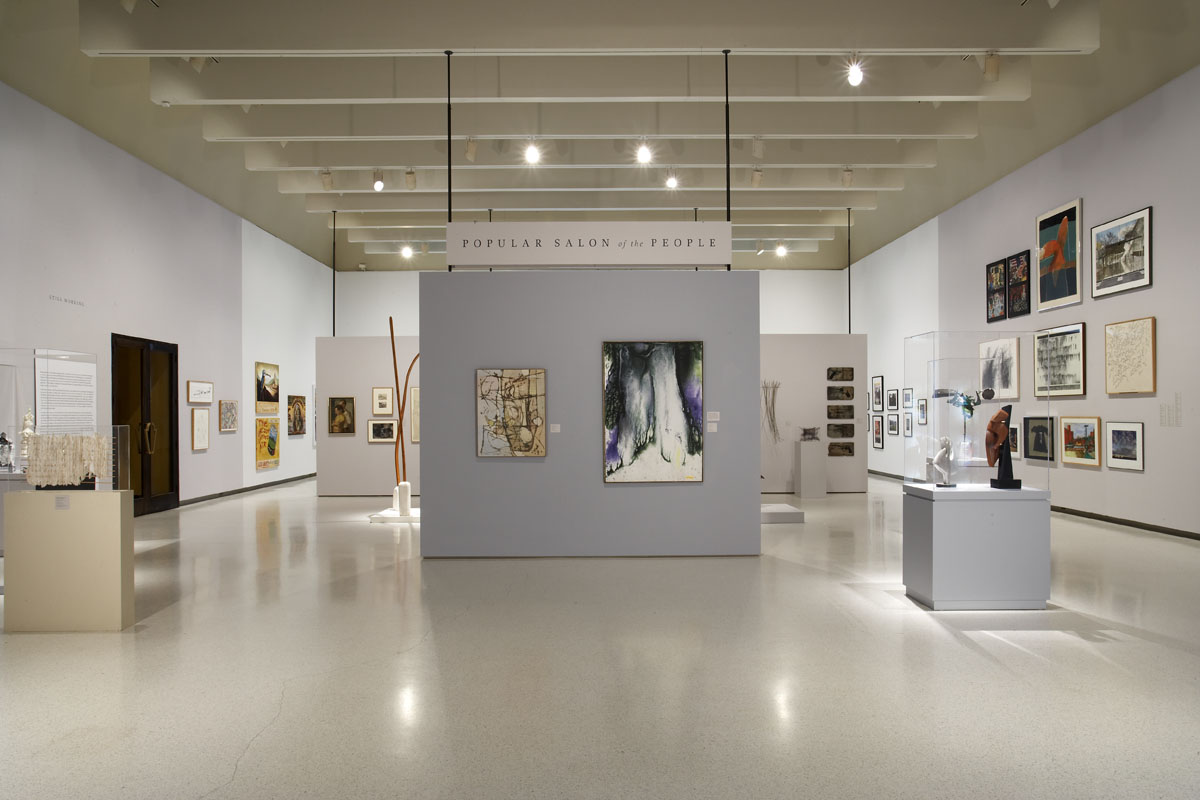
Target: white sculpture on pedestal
{"type": "Point", "coordinates": [943, 462]}
{"type": "Point", "coordinates": [26, 433]}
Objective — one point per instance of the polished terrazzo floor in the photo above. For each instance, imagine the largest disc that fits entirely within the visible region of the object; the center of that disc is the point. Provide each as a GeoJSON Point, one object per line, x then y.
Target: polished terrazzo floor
{"type": "Point", "coordinates": [286, 648]}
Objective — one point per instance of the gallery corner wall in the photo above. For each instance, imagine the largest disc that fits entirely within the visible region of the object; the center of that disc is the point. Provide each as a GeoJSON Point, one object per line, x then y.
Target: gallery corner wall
{"type": "Point", "coordinates": [560, 504]}
{"type": "Point", "coordinates": [1143, 155]}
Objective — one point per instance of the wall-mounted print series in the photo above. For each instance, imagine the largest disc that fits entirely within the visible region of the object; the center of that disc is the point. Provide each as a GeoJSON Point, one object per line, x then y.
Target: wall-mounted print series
{"type": "Point", "coordinates": [653, 412]}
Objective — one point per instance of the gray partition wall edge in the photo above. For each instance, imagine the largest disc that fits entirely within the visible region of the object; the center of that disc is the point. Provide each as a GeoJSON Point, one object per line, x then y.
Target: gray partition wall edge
{"type": "Point", "coordinates": [560, 505]}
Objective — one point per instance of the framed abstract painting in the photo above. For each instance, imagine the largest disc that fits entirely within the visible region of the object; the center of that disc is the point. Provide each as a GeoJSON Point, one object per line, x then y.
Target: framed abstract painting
{"type": "Point", "coordinates": [510, 408]}
{"type": "Point", "coordinates": [997, 290]}
{"type": "Point", "coordinates": [1058, 246]}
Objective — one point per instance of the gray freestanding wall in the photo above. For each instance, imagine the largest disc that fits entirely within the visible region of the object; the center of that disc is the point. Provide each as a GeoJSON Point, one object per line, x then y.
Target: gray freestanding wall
{"type": "Point", "coordinates": [560, 505]}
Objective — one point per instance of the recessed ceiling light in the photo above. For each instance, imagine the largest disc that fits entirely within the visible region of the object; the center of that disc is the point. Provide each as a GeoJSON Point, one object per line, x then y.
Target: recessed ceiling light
{"type": "Point", "coordinates": [780, 250]}
{"type": "Point", "coordinates": [532, 154]}
{"type": "Point", "coordinates": [377, 183]}
{"type": "Point", "coordinates": [643, 154]}
{"type": "Point", "coordinates": [406, 252]}
{"type": "Point", "coordinates": [672, 181]}
{"type": "Point", "coordinates": [854, 72]}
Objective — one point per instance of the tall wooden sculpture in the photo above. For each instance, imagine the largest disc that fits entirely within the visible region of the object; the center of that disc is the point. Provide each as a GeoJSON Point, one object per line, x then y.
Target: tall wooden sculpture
{"type": "Point", "coordinates": [402, 494]}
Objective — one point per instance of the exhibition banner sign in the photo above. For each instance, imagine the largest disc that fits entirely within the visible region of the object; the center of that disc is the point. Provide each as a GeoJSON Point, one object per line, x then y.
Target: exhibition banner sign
{"type": "Point", "coordinates": [598, 244]}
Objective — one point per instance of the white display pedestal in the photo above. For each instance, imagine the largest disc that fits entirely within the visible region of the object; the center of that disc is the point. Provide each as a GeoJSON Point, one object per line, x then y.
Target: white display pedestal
{"type": "Point", "coordinates": [809, 470]}
{"type": "Point", "coordinates": [975, 547]}
{"type": "Point", "coordinates": [68, 561]}
{"type": "Point", "coordinates": [401, 510]}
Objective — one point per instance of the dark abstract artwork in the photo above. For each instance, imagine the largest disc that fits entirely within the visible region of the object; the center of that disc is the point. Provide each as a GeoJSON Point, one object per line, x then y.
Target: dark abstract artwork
{"type": "Point", "coordinates": [653, 412]}
{"type": "Point", "coordinates": [844, 431]}
{"type": "Point", "coordinates": [839, 373]}
{"type": "Point", "coordinates": [840, 412]}
{"type": "Point", "coordinates": [841, 448]}
{"type": "Point", "coordinates": [839, 392]}
{"type": "Point", "coordinates": [511, 409]}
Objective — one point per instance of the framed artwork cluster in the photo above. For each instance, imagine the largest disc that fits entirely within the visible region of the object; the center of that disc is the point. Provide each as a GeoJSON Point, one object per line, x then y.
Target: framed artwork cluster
{"type": "Point", "coordinates": [837, 391]}
{"type": "Point", "coordinates": [203, 393]}
{"type": "Point", "coordinates": [1007, 294]}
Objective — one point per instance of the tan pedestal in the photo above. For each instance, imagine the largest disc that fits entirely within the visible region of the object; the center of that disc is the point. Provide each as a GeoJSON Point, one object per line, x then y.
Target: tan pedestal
{"type": "Point", "coordinates": [68, 561]}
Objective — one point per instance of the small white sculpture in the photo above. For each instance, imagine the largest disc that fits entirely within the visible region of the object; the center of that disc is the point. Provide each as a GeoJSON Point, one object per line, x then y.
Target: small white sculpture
{"type": "Point", "coordinates": [943, 462]}
{"type": "Point", "coordinates": [26, 433]}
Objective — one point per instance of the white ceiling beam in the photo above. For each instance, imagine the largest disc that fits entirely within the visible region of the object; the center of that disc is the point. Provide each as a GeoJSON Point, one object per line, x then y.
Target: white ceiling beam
{"type": "Point", "coordinates": [592, 154]}
{"type": "Point", "coordinates": [579, 79]}
{"type": "Point", "coordinates": [427, 234]}
{"type": "Point", "coordinates": [437, 218]}
{"type": "Point", "coordinates": [649, 179]}
{"type": "Point", "coordinates": [550, 201]}
{"type": "Point", "coordinates": [384, 27]}
{"type": "Point", "coordinates": [594, 121]}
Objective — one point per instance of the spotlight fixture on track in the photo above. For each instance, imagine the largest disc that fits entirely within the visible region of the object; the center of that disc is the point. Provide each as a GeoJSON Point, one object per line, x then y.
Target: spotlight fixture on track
{"type": "Point", "coordinates": [854, 71]}
{"type": "Point", "coordinates": [406, 252]}
{"type": "Point", "coordinates": [780, 250]}
{"type": "Point", "coordinates": [847, 177]}
{"type": "Point", "coordinates": [424, 248]}
{"type": "Point", "coordinates": [129, 5]}
{"type": "Point", "coordinates": [672, 181]}
{"type": "Point", "coordinates": [410, 179]}
{"type": "Point", "coordinates": [377, 180]}
{"type": "Point", "coordinates": [644, 156]}
{"type": "Point", "coordinates": [532, 154]}
{"type": "Point", "coordinates": [198, 63]}
{"type": "Point", "coordinates": [762, 248]}
{"type": "Point", "coordinates": [472, 148]}
{"type": "Point", "coordinates": [991, 67]}
{"type": "Point", "coordinates": [326, 180]}
{"type": "Point", "coordinates": [758, 148]}
{"type": "Point", "coordinates": [756, 178]}
{"type": "Point", "coordinates": [362, 267]}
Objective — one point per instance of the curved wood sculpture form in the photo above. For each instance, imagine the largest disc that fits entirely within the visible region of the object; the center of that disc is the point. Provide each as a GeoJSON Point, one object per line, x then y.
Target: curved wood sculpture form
{"type": "Point", "coordinates": [401, 456]}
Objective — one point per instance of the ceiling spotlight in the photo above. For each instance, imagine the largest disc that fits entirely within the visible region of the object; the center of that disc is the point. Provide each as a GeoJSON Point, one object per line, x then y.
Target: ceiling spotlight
{"type": "Point", "coordinates": [406, 252]}
{"type": "Point", "coordinates": [991, 68]}
{"type": "Point", "coordinates": [762, 248]}
{"type": "Point", "coordinates": [424, 248]}
{"type": "Point", "coordinates": [472, 147]}
{"type": "Point", "coordinates": [780, 250]}
{"type": "Point", "coordinates": [410, 179]}
{"type": "Point", "coordinates": [129, 5]}
{"type": "Point", "coordinates": [362, 267]}
{"type": "Point", "coordinates": [198, 63]}
{"type": "Point", "coordinates": [672, 181]}
{"type": "Point", "coordinates": [643, 154]}
{"type": "Point", "coordinates": [377, 185]}
{"type": "Point", "coordinates": [847, 177]}
{"type": "Point", "coordinates": [854, 72]}
{"type": "Point", "coordinates": [756, 177]}
{"type": "Point", "coordinates": [326, 180]}
{"type": "Point", "coordinates": [758, 148]}
{"type": "Point", "coordinates": [532, 154]}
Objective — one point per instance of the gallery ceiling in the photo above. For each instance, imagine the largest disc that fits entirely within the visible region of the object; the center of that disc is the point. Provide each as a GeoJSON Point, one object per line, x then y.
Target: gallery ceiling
{"type": "Point", "coordinates": [284, 112]}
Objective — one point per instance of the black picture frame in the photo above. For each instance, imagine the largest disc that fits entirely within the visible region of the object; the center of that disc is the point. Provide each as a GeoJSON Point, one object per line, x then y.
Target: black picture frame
{"type": "Point", "coordinates": [1020, 301]}
{"type": "Point", "coordinates": [996, 281]}
{"type": "Point", "coordinates": [908, 424]}
{"type": "Point", "coordinates": [893, 424]}
{"type": "Point", "coordinates": [893, 399]}
{"type": "Point", "coordinates": [877, 393]}
{"type": "Point", "coordinates": [877, 431]}
{"type": "Point", "coordinates": [1039, 434]}
{"type": "Point", "coordinates": [922, 411]}
{"type": "Point", "coordinates": [906, 398]}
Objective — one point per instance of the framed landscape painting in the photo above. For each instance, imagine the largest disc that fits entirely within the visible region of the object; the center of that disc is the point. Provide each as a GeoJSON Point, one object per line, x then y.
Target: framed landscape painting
{"type": "Point", "coordinates": [1124, 445]}
{"type": "Point", "coordinates": [266, 443]}
{"type": "Point", "coordinates": [1079, 440]}
{"type": "Point", "coordinates": [510, 408]}
{"type": "Point", "coordinates": [1058, 361]}
{"type": "Point", "coordinates": [653, 406]}
{"type": "Point", "coordinates": [1121, 254]}
{"type": "Point", "coordinates": [1129, 357]}
{"type": "Point", "coordinates": [1057, 237]}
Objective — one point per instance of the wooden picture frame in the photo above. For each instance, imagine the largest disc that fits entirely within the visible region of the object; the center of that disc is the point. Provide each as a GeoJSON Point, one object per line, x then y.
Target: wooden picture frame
{"type": "Point", "coordinates": [1121, 254]}
{"type": "Point", "coordinates": [382, 401]}
{"type": "Point", "coordinates": [1130, 356]}
{"type": "Point", "coordinates": [1079, 441]}
{"type": "Point", "coordinates": [341, 415]}
{"type": "Point", "coordinates": [200, 392]}
{"type": "Point", "coordinates": [200, 435]}
{"type": "Point", "coordinates": [383, 430]}
{"type": "Point", "coordinates": [1060, 361]}
{"type": "Point", "coordinates": [1059, 255]}
{"type": "Point", "coordinates": [266, 388]}
{"type": "Point", "coordinates": [227, 416]}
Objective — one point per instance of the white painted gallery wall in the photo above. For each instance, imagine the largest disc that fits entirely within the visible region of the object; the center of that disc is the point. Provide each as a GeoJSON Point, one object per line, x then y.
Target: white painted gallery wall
{"type": "Point", "coordinates": [127, 249]}
{"type": "Point", "coordinates": [365, 300]}
{"type": "Point", "coordinates": [1144, 155]}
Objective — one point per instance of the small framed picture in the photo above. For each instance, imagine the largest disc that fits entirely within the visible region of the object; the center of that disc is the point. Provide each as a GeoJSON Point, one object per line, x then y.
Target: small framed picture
{"type": "Point", "coordinates": [893, 424]}
{"type": "Point", "coordinates": [382, 430]}
{"type": "Point", "coordinates": [199, 428]}
{"type": "Point", "coordinates": [1124, 444]}
{"type": "Point", "coordinates": [200, 392]}
{"type": "Point", "coordinates": [1079, 440]}
{"type": "Point", "coordinates": [1014, 442]}
{"type": "Point", "coordinates": [1121, 254]}
{"type": "Point", "coordinates": [922, 411]}
{"type": "Point", "coordinates": [908, 424]}
{"type": "Point", "coordinates": [381, 400]}
{"type": "Point", "coordinates": [893, 399]}
{"type": "Point", "coordinates": [907, 398]}
{"type": "Point", "coordinates": [997, 290]}
{"type": "Point", "coordinates": [227, 416]}
{"type": "Point", "coordinates": [1039, 438]}
{"type": "Point", "coordinates": [414, 414]}
{"type": "Point", "coordinates": [341, 415]}
{"type": "Point", "coordinates": [877, 432]}
{"type": "Point", "coordinates": [877, 393]}
{"type": "Point", "coordinates": [297, 417]}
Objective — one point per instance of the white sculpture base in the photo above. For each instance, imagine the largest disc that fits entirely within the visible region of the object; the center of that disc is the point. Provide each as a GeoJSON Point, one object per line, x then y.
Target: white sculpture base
{"type": "Point", "coordinates": [401, 510]}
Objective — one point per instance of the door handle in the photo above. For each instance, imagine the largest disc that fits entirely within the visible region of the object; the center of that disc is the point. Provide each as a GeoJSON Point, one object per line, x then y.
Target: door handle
{"type": "Point", "coordinates": [150, 433]}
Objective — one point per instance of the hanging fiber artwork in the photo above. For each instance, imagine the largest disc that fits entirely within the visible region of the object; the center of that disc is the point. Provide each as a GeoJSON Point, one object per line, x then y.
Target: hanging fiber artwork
{"type": "Point", "coordinates": [68, 459]}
